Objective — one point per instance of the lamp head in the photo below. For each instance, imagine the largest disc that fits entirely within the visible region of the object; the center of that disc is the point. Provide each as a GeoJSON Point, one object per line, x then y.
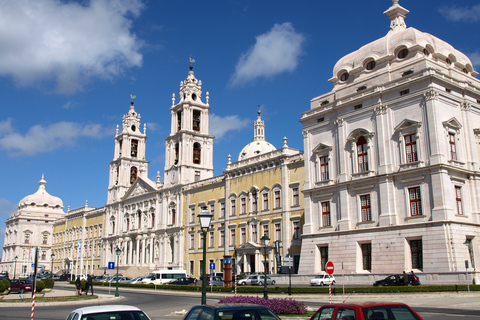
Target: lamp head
{"type": "Point", "coordinates": [265, 241]}
{"type": "Point", "coordinates": [118, 251]}
{"type": "Point", "coordinates": [205, 218]}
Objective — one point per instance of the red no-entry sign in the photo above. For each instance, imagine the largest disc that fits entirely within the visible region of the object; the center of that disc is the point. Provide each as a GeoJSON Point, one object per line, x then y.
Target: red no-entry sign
{"type": "Point", "coordinates": [329, 267]}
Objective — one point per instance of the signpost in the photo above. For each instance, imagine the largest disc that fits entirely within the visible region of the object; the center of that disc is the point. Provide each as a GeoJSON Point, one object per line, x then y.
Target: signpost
{"type": "Point", "coordinates": [329, 267]}
{"type": "Point", "coordinates": [288, 262]}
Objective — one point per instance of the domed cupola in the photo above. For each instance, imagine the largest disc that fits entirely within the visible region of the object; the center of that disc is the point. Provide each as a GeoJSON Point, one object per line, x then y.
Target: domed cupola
{"type": "Point", "coordinates": [259, 145]}
{"type": "Point", "coordinates": [41, 198]}
{"type": "Point", "coordinates": [398, 45]}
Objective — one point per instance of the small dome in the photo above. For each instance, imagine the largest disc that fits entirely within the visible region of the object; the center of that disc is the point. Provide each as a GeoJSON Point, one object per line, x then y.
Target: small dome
{"type": "Point", "coordinates": [41, 198]}
{"type": "Point", "coordinates": [397, 38]}
{"type": "Point", "coordinates": [255, 148]}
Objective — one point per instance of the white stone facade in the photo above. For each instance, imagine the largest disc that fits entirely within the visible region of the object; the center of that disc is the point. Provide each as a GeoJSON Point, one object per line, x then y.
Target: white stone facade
{"type": "Point", "coordinates": [391, 162]}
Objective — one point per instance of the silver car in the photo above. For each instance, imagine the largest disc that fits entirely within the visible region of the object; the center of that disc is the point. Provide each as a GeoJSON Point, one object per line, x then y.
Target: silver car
{"type": "Point", "coordinates": [111, 312]}
{"type": "Point", "coordinates": [260, 280]}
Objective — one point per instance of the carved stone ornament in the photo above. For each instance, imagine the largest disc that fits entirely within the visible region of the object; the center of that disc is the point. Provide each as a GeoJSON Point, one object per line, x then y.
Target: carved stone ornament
{"type": "Point", "coordinates": [381, 109]}
{"type": "Point", "coordinates": [139, 190]}
{"type": "Point", "coordinates": [431, 95]}
{"type": "Point", "coordinates": [466, 106]}
{"type": "Point", "coordinates": [339, 122]}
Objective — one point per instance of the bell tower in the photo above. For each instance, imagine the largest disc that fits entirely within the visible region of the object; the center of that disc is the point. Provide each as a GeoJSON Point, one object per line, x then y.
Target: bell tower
{"type": "Point", "coordinates": [129, 159]}
{"type": "Point", "coordinates": [189, 148]}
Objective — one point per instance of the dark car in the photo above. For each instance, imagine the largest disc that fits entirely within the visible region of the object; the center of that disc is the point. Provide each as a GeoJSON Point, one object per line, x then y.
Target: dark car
{"type": "Point", "coordinates": [183, 281]}
{"type": "Point", "coordinates": [397, 280]}
{"type": "Point", "coordinates": [366, 311]}
{"type": "Point", "coordinates": [230, 312]}
{"type": "Point", "coordinates": [21, 285]}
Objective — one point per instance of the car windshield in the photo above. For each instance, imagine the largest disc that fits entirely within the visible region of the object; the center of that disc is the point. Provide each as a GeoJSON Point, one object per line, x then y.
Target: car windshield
{"type": "Point", "coordinates": [245, 314]}
{"type": "Point", "coordinates": [389, 312]}
{"type": "Point", "coordinates": [116, 315]}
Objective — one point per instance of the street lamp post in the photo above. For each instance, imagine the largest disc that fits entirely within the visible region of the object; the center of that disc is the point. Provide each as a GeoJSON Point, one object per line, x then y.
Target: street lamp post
{"type": "Point", "coordinates": [265, 242]}
{"type": "Point", "coordinates": [51, 267]}
{"type": "Point", "coordinates": [118, 252]}
{"type": "Point", "coordinates": [15, 266]}
{"type": "Point", "coordinates": [205, 218]}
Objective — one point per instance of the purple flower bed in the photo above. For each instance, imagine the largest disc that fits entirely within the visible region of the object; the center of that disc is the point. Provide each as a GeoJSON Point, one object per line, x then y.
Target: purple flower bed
{"type": "Point", "coordinates": [278, 306]}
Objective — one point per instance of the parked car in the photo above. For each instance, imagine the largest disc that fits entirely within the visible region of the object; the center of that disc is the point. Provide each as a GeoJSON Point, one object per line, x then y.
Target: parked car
{"type": "Point", "coordinates": [215, 281]}
{"type": "Point", "coordinates": [108, 312]}
{"type": "Point", "coordinates": [260, 280]}
{"type": "Point", "coordinates": [397, 280]}
{"type": "Point", "coordinates": [230, 311]}
{"type": "Point", "coordinates": [183, 281]}
{"type": "Point", "coordinates": [247, 280]}
{"type": "Point", "coordinates": [137, 280]}
{"type": "Point", "coordinates": [21, 285]}
{"type": "Point", "coordinates": [55, 277]}
{"type": "Point", "coordinates": [322, 280]}
{"type": "Point", "coordinates": [366, 311]}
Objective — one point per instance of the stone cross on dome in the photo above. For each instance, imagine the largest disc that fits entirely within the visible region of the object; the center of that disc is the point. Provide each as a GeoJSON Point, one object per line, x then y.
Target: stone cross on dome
{"type": "Point", "coordinates": [396, 14]}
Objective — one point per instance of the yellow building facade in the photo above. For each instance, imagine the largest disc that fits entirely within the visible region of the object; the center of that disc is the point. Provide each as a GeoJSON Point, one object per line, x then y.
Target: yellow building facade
{"type": "Point", "coordinates": [78, 243]}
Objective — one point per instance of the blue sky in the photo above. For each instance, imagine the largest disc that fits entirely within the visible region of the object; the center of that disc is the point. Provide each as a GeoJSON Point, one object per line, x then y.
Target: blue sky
{"type": "Point", "coordinates": [67, 69]}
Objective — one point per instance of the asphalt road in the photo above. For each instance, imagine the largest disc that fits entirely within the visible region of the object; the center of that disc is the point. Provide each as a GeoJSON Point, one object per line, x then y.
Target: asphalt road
{"type": "Point", "coordinates": [160, 305]}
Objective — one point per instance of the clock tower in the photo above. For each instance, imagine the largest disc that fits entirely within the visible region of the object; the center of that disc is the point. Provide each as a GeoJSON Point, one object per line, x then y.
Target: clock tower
{"type": "Point", "coordinates": [189, 148]}
{"type": "Point", "coordinates": [129, 159]}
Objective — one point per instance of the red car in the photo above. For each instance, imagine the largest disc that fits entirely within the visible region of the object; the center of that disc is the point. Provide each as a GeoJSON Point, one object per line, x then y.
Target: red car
{"type": "Point", "coordinates": [21, 285]}
{"type": "Point", "coordinates": [366, 311]}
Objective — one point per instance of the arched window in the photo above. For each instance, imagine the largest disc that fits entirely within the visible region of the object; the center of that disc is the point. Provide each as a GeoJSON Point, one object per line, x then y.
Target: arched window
{"type": "Point", "coordinates": [177, 151]}
{"type": "Point", "coordinates": [179, 120]}
{"type": "Point", "coordinates": [139, 217]}
{"type": "Point", "coordinates": [128, 224]}
{"type": "Point", "coordinates": [133, 174]}
{"type": "Point", "coordinates": [134, 148]}
{"type": "Point", "coordinates": [196, 153]}
{"type": "Point", "coordinates": [362, 154]}
{"type": "Point", "coordinates": [153, 220]}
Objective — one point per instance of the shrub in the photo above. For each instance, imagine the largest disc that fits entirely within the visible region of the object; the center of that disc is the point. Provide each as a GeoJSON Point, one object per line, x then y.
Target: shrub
{"type": "Point", "coordinates": [278, 306]}
{"type": "Point", "coordinates": [49, 282]}
{"type": "Point", "coordinates": [4, 285]}
{"type": "Point", "coordinates": [40, 285]}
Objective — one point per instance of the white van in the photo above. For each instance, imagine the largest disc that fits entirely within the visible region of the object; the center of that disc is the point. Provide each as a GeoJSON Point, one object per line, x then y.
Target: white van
{"type": "Point", "coordinates": [164, 276]}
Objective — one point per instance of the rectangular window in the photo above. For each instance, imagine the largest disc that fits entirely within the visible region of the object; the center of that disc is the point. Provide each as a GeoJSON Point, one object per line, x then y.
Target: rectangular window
{"type": "Point", "coordinates": [411, 148]}
{"type": "Point", "coordinates": [415, 201]}
{"type": "Point", "coordinates": [212, 210]}
{"type": "Point", "coordinates": [243, 235]}
{"type": "Point", "coordinates": [295, 200]}
{"type": "Point", "coordinates": [27, 237]}
{"type": "Point", "coordinates": [197, 176]}
{"type": "Point", "coordinates": [192, 241]}
{"type": "Point", "coordinates": [45, 239]}
{"type": "Point", "coordinates": [44, 255]}
{"type": "Point", "coordinates": [365, 207]}
{"type": "Point", "coordinates": [243, 201]}
{"type": "Point", "coordinates": [192, 214]}
{"type": "Point", "coordinates": [222, 238]}
{"type": "Point", "coordinates": [254, 201]}
{"type": "Point", "coordinates": [254, 233]}
{"type": "Point", "coordinates": [451, 144]}
{"type": "Point", "coordinates": [323, 257]}
{"type": "Point", "coordinates": [417, 256]}
{"type": "Point", "coordinates": [232, 207]}
{"type": "Point", "coordinates": [362, 155]}
{"type": "Point", "coordinates": [233, 240]}
{"type": "Point", "coordinates": [324, 168]}
{"type": "Point", "coordinates": [326, 218]}
{"type": "Point", "coordinates": [458, 199]}
{"type": "Point", "coordinates": [201, 241]}
{"type": "Point", "coordinates": [265, 201]}
{"type": "Point", "coordinates": [222, 209]}
{"type": "Point", "coordinates": [211, 243]}
{"type": "Point", "coordinates": [134, 148]}
{"type": "Point", "coordinates": [277, 199]}
{"type": "Point", "coordinates": [265, 229]}
{"type": "Point", "coordinates": [367, 256]}
{"type": "Point", "coordinates": [404, 92]}
{"type": "Point", "coordinates": [296, 230]}
{"type": "Point", "coordinates": [278, 231]}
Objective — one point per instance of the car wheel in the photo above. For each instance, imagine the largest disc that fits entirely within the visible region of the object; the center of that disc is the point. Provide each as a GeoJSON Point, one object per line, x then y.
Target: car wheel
{"type": "Point", "coordinates": [333, 282]}
{"type": "Point", "coordinates": [273, 282]}
{"type": "Point", "coordinates": [243, 284]}
{"type": "Point", "coordinates": [260, 283]}
{"type": "Point", "coordinates": [321, 284]}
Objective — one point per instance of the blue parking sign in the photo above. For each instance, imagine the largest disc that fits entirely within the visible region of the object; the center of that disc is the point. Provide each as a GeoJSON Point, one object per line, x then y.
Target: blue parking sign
{"type": "Point", "coordinates": [111, 265]}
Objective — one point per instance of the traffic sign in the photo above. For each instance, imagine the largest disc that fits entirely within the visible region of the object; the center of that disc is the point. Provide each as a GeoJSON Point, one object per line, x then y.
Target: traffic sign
{"type": "Point", "coordinates": [212, 265]}
{"type": "Point", "coordinates": [329, 267]}
{"type": "Point", "coordinates": [288, 261]}
{"type": "Point", "coordinates": [111, 265]}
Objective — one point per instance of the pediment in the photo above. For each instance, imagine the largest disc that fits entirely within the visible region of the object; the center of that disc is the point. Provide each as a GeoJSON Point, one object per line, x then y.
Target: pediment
{"type": "Point", "coordinates": [407, 124]}
{"type": "Point", "coordinates": [453, 123]}
{"type": "Point", "coordinates": [320, 148]}
{"type": "Point", "coordinates": [249, 246]}
{"type": "Point", "coordinates": [138, 188]}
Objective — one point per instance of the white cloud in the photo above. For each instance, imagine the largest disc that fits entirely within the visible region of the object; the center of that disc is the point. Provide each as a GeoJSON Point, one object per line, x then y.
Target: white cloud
{"type": "Point", "coordinates": [220, 126]}
{"type": "Point", "coordinates": [475, 58]}
{"type": "Point", "coordinates": [274, 52]}
{"type": "Point", "coordinates": [67, 43]}
{"type": "Point", "coordinates": [41, 139]}
{"type": "Point", "coordinates": [466, 14]}
{"type": "Point", "coordinates": [152, 126]}
{"type": "Point", "coordinates": [6, 126]}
